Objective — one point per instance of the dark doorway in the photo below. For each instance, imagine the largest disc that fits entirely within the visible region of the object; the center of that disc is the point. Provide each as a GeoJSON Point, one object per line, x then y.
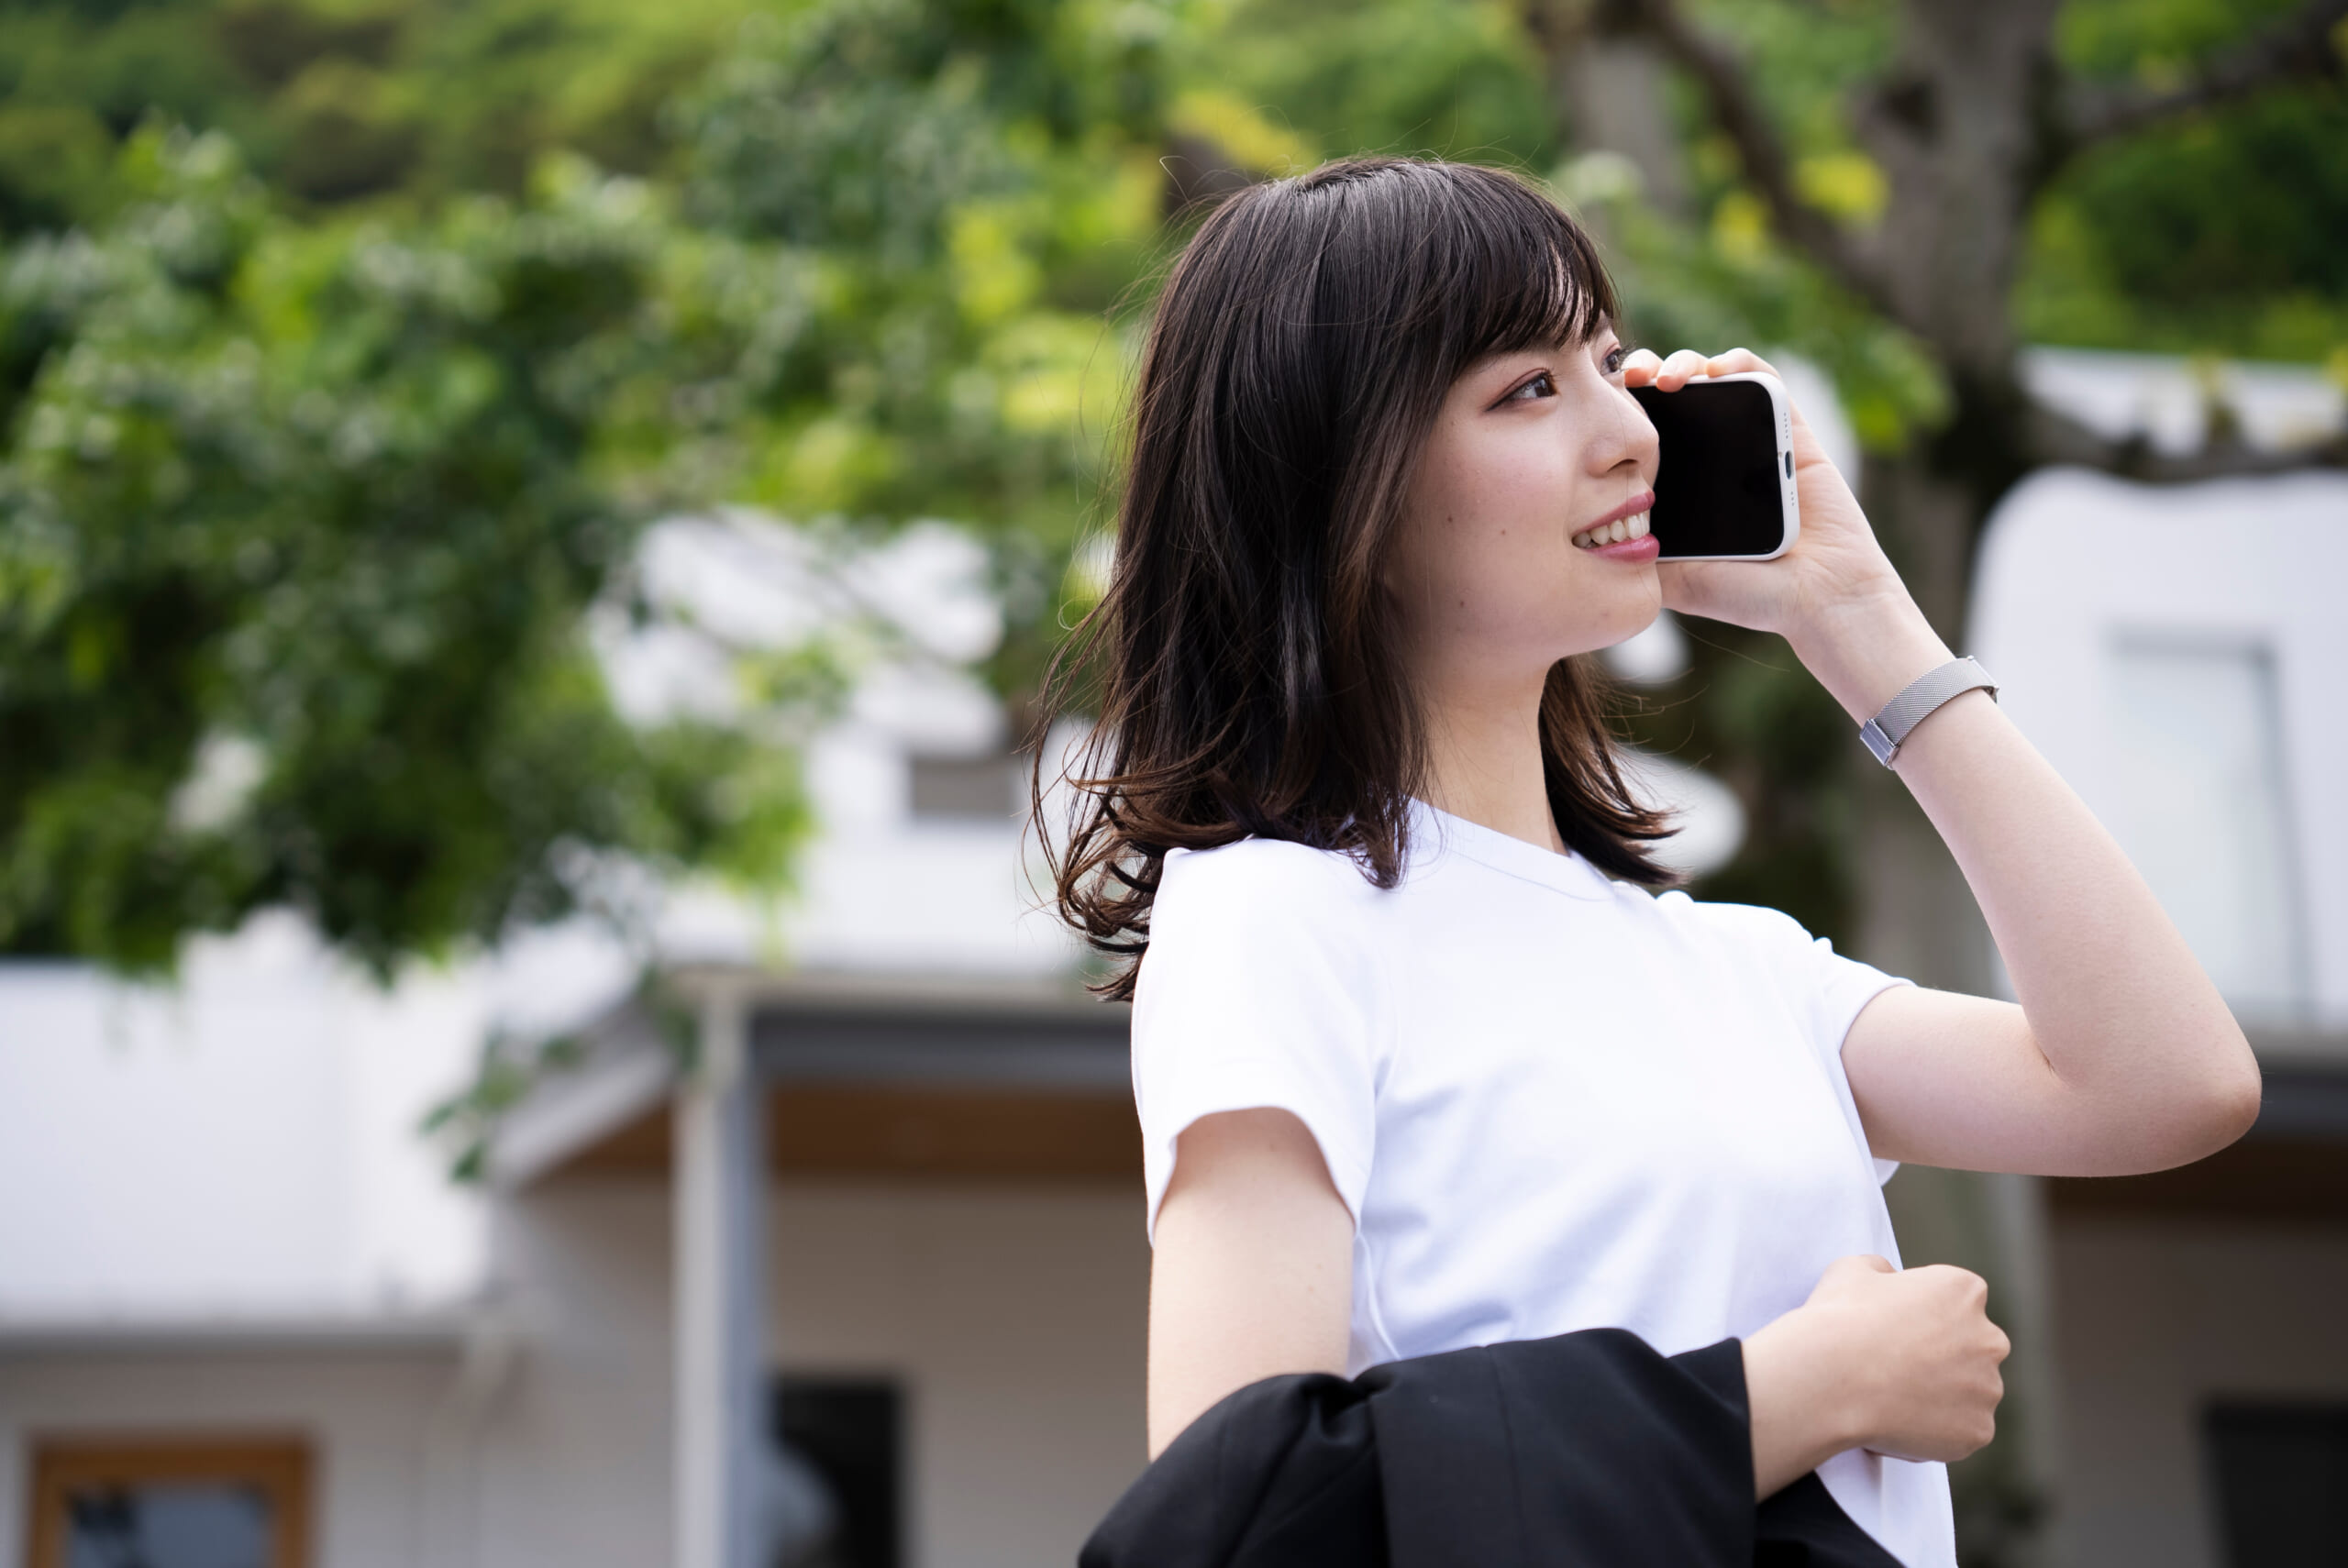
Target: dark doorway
{"type": "Point", "coordinates": [851, 1432]}
{"type": "Point", "coordinates": [2281, 1474]}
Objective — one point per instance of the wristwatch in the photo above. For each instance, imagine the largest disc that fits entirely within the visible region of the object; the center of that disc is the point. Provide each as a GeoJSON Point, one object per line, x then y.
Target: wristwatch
{"type": "Point", "coordinates": [1887, 729]}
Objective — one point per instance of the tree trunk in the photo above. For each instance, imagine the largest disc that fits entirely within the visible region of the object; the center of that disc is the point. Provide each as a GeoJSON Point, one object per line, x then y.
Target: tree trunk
{"type": "Point", "coordinates": [1609, 91]}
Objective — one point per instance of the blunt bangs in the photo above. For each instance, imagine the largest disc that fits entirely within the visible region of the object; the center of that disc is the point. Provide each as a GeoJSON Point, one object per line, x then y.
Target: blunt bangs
{"type": "Point", "coordinates": [1487, 263]}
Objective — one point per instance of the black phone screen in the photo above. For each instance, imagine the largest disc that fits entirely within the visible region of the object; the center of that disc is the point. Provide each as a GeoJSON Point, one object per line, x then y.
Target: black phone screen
{"type": "Point", "coordinates": [1717, 491]}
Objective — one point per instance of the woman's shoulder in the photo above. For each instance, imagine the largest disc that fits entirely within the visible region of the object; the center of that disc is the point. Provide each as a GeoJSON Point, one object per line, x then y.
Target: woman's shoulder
{"type": "Point", "coordinates": [1753, 929]}
{"type": "Point", "coordinates": [1290, 918]}
{"type": "Point", "coordinates": [1262, 879]}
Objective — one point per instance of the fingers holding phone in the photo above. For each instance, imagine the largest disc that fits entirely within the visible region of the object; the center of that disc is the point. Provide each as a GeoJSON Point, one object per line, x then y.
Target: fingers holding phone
{"type": "Point", "coordinates": [1756, 526]}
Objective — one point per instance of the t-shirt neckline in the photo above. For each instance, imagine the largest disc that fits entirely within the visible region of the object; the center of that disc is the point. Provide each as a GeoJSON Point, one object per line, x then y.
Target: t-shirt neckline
{"type": "Point", "coordinates": [1569, 872]}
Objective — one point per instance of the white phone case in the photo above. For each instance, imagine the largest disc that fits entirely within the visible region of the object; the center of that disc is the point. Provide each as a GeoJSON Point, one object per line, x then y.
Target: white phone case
{"type": "Point", "coordinates": [1781, 409]}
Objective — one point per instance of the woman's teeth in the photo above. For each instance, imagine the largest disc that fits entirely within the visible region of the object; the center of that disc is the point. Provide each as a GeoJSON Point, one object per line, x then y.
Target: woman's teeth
{"type": "Point", "coordinates": [1632, 527]}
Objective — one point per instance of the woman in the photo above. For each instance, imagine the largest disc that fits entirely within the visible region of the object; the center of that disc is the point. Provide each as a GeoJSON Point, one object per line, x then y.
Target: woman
{"type": "Point", "coordinates": [1422, 1061]}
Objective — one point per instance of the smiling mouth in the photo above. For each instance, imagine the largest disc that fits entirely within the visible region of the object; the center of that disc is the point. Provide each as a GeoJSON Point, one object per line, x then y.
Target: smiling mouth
{"type": "Point", "coordinates": [1635, 526]}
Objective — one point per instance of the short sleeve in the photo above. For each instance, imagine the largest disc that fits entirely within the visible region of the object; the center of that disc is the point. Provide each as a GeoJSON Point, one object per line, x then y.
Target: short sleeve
{"type": "Point", "coordinates": [1826, 991]}
{"type": "Point", "coordinates": [1839, 990]}
{"type": "Point", "coordinates": [1253, 994]}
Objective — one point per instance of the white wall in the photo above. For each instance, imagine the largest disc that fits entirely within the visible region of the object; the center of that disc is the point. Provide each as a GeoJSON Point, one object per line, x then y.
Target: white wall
{"type": "Point", "coordinates": [2152, 1318]}
{"type": "Point", "coordinates": [574, 1454]}
{"type": "Point", "coordinates": [1016, 1321]}
{"type": "Point", "coordinates": [366, 1417]}
{"type": "Point", "coordinates": [2076, 564]}
{"type": "Point", "coordinates": [244, 1142]}
{"type": "Point", "coordinates": [1012, 1317]}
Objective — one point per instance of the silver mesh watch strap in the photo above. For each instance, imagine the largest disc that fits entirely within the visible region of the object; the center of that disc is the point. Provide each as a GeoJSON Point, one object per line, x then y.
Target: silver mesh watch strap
{"type": "Point", "coordinates": [1884, 732]}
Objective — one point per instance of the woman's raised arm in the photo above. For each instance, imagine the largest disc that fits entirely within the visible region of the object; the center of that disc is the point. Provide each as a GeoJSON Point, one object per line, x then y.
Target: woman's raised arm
{"type": "Point", "coordinates": [2121, 1058]}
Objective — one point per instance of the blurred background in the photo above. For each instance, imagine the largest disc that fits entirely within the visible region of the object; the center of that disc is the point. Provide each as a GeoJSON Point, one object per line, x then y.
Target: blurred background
{"type": "Point", "coordinates": [529, 534]}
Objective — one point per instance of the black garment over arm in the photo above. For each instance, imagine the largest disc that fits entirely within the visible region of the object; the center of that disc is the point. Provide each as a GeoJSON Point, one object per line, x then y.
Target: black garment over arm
{"type": "Point", "coordinates": [1585, 1450]}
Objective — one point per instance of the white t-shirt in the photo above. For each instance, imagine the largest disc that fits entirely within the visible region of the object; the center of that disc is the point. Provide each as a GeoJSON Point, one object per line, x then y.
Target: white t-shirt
{"type": "Point", "coordinates": [1550, 1100]}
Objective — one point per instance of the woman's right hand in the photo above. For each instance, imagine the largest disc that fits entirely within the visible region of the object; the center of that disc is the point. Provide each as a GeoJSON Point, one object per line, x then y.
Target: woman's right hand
{"type": "Point", "coordinates": [1903, 1361]}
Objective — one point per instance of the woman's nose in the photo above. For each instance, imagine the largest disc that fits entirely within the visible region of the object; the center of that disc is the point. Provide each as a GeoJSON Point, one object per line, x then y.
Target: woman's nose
{"type": "Point", "coordinates": [1627, 439]}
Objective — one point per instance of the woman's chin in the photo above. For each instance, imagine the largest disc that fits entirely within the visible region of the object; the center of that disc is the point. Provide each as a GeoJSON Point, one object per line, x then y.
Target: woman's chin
{"type": "Point", "coordinates": [1636, 602]}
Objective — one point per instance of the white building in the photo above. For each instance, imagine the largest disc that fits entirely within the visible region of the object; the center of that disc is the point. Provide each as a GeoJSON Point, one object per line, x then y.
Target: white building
{"type": "Point", "coordinates": [236, 1286]}
{"type": "Point", "coordinates": [890, 1207]}
{"type": "Point", "coordinates": [2176, 653]}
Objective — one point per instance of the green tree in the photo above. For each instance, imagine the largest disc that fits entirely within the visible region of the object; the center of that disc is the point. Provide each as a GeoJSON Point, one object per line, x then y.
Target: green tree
{"type": "Point", "coordinates": [310, 486]}
{"type": "Point", "coordinates": [900, 246]}
{"type": "Point", "coordinates": [337, 102]}
{"type": "Point", "coordinates": [299, 525]}
{"type": "Point", "coordinates": [978, 187]}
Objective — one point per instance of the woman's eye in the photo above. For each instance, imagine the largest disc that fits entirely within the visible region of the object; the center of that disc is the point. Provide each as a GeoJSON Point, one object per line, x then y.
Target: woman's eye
{"type": "Point", "coordinates": [1614, 357]}
{"type": "Point", "coordinates": [1542, 385]}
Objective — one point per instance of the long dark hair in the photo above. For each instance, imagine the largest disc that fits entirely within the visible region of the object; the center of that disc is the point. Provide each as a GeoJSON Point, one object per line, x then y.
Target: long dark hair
{"type": "Point", "coordinates": [1243, 655]}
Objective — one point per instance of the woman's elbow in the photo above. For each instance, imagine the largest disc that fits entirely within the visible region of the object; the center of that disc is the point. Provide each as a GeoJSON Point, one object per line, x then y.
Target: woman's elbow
{"type": "Point", "coordinates": [2183, 1115]}
{"type": "Point", "coordinates": [2235, 1100]}
{"type": "Point", "coordinates": [2224, 1102]}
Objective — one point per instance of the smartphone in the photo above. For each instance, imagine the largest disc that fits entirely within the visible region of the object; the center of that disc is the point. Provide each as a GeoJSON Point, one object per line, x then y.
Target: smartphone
{"type": "Point", "coordinates": [1725, 489]}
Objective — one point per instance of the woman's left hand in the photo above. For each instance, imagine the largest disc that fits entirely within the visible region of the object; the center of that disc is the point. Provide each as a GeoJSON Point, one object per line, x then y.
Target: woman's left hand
{"type": "Point", "coordinates": [1835, 562]}
{"type": "Point", "coordinates": [2121, 1058]}
{"type": "Point", "coordinates": [1834, 595]}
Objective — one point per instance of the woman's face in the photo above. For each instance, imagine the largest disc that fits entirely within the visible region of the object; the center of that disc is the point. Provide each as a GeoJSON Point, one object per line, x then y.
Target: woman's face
{"type": "Point", "coordinates": [1536, 456]}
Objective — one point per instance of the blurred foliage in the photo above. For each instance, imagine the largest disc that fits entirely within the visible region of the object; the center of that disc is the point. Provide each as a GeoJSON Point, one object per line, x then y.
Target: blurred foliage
{"type": "Point", "coordinates": [1333, 77]}
{"type": "Point", "coordinates": [511, 1066]}
{"type": "Point", "coordinates": [297, 527]}
{"type": "Point", "coordinates": [1732, 285]}
{"type": "Point", "coordinates": [979, 185]}
{"type": "Point", "coordinates": [310, 489]}
{"type": "Point", "coordinates": [329, 421]}
{"type": "Point", "coordinates": [2218, 234]}
{"type": "Point", "coordinates": [336, 101]}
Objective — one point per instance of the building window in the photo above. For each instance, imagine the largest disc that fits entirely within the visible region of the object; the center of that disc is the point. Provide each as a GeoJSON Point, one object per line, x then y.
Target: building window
{"type": "Point", "coordinates": [2203, 809]}
{"type": "Point", "coordinates": [984, 788]}
{"type": "Point", "coordinates": [166, 1503]}
{"type": "Point", "coordinates": [842, 1451]}
{"type": "Point", "coordinates": [2281, 1476]}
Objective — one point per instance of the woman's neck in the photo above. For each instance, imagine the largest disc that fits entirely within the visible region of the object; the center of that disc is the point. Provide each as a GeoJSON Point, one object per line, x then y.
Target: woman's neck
{"type": "Point", "coordinates": [1484, 762]}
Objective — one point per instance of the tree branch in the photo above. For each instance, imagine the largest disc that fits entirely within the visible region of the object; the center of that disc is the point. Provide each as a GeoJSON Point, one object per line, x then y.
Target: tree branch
{"type": "Point", "coordinates": [2057, 437]}
{"type": "Point", "coordinates": [2298, 49]}
{"type": "Point", "coordinates": [1737, 111]}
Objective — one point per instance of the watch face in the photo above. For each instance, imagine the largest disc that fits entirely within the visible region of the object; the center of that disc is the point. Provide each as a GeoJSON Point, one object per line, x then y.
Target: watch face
{"type": "Point", "coordinates": [1719, 487]}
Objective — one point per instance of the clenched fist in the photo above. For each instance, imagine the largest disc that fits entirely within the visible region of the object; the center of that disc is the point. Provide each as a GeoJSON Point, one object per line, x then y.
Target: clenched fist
{"type": "Point", "coordinates": [1924, 1354]}
{"type": "Point", "coordinates": [1903, 1361]}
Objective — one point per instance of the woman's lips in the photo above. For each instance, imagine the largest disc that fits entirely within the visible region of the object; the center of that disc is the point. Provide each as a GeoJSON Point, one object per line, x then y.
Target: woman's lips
{"type": "Point", "coordinates": [1645, 547]}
